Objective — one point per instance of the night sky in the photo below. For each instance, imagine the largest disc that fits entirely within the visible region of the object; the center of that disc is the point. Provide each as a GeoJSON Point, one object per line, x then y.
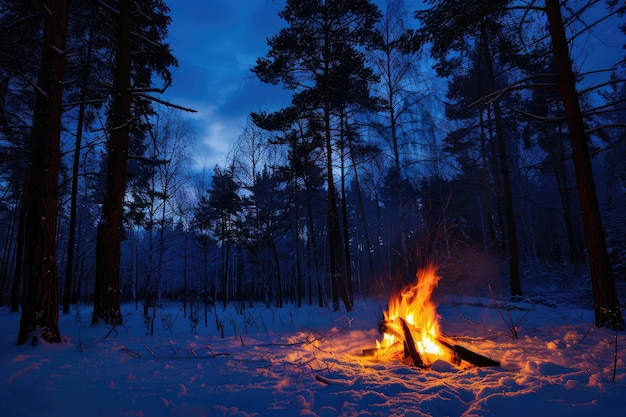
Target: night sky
{"type": "Point", "coordinates": [216, 43]}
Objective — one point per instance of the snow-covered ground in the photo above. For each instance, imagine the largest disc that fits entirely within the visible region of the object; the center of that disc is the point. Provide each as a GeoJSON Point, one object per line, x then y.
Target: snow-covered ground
{"type": "Point", "coordinates": [309, 362]}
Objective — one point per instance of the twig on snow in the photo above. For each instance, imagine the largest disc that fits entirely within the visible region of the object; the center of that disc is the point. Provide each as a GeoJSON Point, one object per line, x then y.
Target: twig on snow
{"type": "Point", "coordinates": [333, 381]}
{"type": "Point", "coordinates": [512, 324]}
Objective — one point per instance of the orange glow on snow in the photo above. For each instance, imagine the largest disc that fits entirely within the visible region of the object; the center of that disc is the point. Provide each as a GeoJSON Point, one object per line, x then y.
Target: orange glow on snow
{"type": "Point", "coordinates": [414, 304]}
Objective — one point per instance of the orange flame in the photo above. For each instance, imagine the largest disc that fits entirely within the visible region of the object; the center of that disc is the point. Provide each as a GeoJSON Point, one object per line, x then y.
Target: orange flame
{"type": "Point", "coordinates": [414, 304]}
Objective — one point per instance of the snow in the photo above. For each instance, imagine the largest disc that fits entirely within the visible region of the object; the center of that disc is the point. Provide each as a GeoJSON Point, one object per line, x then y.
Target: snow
{"type": "Point", "coordinates": [308, 362]}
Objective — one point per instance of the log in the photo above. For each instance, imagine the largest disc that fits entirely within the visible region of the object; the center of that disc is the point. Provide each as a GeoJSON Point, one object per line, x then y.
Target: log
{"type": "Point", "coordinates": [409, 345]}
{"type": "Point", "coordinates": [473, 357]}
{"type": "Point", "coordinates": [467, 355]}
{"type": "Point", "coordinates": [460, 353]}
{"type": "Point", "coordinates": [368, 353]}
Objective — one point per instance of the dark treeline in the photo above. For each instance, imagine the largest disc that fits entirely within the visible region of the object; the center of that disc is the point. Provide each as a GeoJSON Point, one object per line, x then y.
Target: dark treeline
{"type": "Point", "coordinates": [465, 134]}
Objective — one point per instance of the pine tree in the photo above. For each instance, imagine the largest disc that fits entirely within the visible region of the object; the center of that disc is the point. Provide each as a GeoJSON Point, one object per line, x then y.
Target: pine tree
{"type": "Point", "coordinates": [40, 299]}
{"type": "Point", "coordinates": [454, 25]}
{"type": "Point", "coordinates": [219, 213]}
{"type": "Point", "coordinates": [313, 56]}
{"type": "Point", "coordinates": [140, 26]}
{"type": "Point", "coordinates": [462, 19]}
{"type": "Point", "coordinates": [606, 306]}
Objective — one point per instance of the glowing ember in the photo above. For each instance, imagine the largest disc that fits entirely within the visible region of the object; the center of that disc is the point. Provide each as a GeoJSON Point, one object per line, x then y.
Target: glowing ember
{"type": "Point", "coordinates": [415, 306]}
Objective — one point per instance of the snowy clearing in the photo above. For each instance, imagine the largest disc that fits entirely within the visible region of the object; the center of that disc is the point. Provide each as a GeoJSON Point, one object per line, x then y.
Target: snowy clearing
{"type": "Point", "coordinates": [309, 362]}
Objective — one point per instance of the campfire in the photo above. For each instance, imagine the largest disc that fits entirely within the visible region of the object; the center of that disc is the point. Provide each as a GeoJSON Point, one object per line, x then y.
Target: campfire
{"type": "Point", "coordinates": [411, 330]}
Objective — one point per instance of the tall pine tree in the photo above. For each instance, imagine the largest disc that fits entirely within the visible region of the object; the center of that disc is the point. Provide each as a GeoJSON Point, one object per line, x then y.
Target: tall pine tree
{"type": "Point", "coordinates": [322, 46]}
{"type": "Point", "coordinates": [141, 25]}
{"type": "Point", "coordinates": [40, 299]}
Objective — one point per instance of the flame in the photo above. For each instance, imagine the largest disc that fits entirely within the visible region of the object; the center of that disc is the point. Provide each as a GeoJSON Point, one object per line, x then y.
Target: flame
{"type": "Point", "coordinates": [414, 304]}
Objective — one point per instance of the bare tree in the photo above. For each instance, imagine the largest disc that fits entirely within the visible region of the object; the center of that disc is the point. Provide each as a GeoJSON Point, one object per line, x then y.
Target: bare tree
{"type": "Point", "coordinates": [167, 157]}
{"type": "Point", "coordinates": [408, 97]}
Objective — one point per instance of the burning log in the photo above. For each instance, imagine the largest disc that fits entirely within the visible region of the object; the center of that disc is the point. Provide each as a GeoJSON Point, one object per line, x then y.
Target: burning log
{"type": "Point", "coordinates": [467, 355]}
{"type": "Point", "coordinates": [410, 346]}
{"type": "Point", "coordinates": [412, 321]}
{"type": "Point", "coordinates": [460, 353]}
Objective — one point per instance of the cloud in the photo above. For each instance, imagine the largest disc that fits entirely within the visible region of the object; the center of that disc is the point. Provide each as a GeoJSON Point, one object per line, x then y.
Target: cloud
{"type": "Point", "coordinates": [212, 131]}
{"type": "Point", "coordinates": [216, 44]}
{"type": "Point", "coordinates": [215, 141]}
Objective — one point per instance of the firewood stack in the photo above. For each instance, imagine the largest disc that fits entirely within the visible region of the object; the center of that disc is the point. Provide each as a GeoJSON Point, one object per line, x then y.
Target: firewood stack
{"type": "Point", "coordinates": [458, 353]}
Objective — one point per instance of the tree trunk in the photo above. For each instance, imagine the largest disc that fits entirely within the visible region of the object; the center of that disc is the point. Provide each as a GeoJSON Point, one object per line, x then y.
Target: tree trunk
{"type": "Point", "coordinates": [185, 235]}
{"type": "Point", "coordinates": [313, 250]}
{"type": "Point", "coordinates": [509, 210]}
{"type": "Point", "coordinates": [71, 241]}
{"type": "Point", "coordinates": [606, 307]}
{"type": "Point", "coordinates": [279, 282]}
{"type": "Point", "coordinates": [296, 228]}
{"type": "Point", "coordinates": [557, 156]}
{"type": "Point", "coordinates": [225, 269]}
{"type": "Point", "coordinates": [19, 246]}
{"type": "Point", "coordinates": [344, 212]}
{"type": "Point", "coordinates": [107, 291]}
{"type": "Point", "coordinates": [398, 245]}
{"type": "Point", "coordinates": [368, 240]}
{"type": "Point", "coordinates": [7, 253]}
{"type": "Point", "coordinates": [489, 235]}
{"type": "Point", "coordinates": [40, 298]}
{"type": "Point", "coordinates": [337, 262]}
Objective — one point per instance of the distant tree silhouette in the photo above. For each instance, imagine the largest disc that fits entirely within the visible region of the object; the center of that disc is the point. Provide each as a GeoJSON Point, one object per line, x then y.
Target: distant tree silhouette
{"type": "Point", "coordinates": [220, 212]}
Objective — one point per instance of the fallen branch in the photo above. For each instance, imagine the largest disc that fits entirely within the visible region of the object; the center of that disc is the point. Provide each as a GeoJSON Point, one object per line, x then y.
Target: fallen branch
{"type": "Point", "coordinates": [111, 331]}
{"type": "Point", "coordinates": [132, 352]}
{"type": "Point", "coordinates": [191, 354]}
{"type": "Point", "coordinates": [332, 381]}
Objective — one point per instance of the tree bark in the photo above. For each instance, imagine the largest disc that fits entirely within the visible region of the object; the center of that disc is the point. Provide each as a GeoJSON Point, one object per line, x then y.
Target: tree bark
{"type": "Point", "coordinates": [40, 298]}
{"type": "Point", "coordinates": [606, 307]}
{"type": "Point", "coordinates": [19, 246]}
{"type": "Point", "coordinates": [337, 261]}
{"type": "Point", "coordinates": [509, 210]}
{"type": "Point", "coordinates": [107, 291]}
{"type": "Point", "coordinates": [344, 212]}
{"type": "Point", "coordinates": [560, 174]}
{"type": "Point", "coordinates": [70, 268]}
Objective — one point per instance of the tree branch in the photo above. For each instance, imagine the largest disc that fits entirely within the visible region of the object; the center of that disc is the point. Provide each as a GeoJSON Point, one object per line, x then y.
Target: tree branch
{"type": "Point", "coordinates": [540, 118]}
{"type": "Point", "coordinates": [605, 126]}
{"type": "Point", "coordinates": [167, 103]}
{"type": "Point", "coordinates": [491, 97]}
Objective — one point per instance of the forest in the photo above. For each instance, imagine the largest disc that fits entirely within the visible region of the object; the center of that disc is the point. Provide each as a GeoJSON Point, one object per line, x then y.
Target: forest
{"type": "Point", "coordinates": [477, 136]}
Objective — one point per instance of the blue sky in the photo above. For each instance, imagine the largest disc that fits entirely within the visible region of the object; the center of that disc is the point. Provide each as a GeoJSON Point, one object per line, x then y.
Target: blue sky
{"type": "Point", "coordinates": [216, 43]}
